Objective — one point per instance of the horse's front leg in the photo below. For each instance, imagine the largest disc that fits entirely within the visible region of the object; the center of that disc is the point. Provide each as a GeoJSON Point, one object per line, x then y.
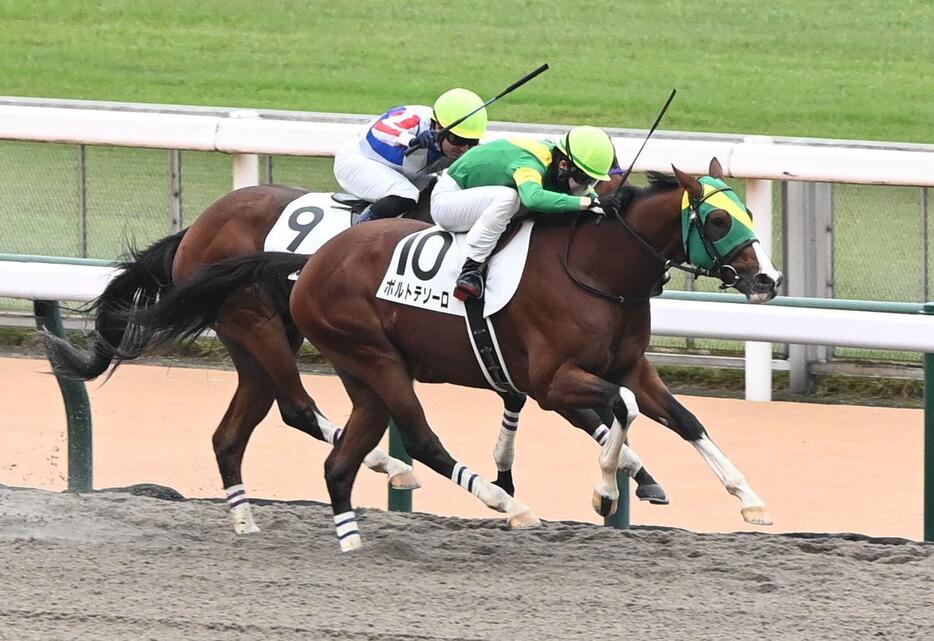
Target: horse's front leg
{"type": "Point", "coordinates": [504, 453]}
{"type": "Point", "coordinates": [657, 402]}
{"type": "Point", "coordinates": [571, 388]}
{"type": "Point", "coordinates": [595, 423]}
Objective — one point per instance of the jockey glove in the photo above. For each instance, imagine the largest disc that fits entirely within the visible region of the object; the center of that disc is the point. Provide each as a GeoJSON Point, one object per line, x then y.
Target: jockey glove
{"type": "Point", "coordinates": [423, 140]}
{"type": "Point", "coordinates": [596, 205]}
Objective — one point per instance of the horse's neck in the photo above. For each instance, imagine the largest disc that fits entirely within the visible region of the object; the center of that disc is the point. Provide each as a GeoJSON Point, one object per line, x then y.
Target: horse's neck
{"type": "Point", "coordinates": [619, 260]}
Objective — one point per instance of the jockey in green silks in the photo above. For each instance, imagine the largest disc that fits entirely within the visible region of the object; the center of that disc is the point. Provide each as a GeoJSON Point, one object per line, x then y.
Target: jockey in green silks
{"type": "Point", "coordinates": [482, 191]}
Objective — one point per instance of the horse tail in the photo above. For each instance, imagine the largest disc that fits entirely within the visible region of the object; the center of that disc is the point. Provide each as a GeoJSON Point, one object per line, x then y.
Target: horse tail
{"type": "Point", "coordinates": [142, 277]}
{"type": "Point", "coordinates": [189, 308]}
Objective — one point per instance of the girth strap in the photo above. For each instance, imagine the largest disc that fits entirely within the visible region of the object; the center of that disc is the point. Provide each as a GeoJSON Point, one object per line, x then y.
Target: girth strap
{"type": "Point", "coordinates": [486, 348]}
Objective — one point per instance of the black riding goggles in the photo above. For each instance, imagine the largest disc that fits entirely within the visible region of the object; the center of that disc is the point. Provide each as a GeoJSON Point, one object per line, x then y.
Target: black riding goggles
{"type": "Point", "coordinates": [457, 141]}
{"type": "Point", "coordinates": [581, 178]}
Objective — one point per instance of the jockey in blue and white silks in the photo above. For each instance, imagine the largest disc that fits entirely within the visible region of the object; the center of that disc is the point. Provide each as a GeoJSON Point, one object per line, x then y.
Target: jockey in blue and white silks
{"type": "Point", "coordinates": [374, 166]}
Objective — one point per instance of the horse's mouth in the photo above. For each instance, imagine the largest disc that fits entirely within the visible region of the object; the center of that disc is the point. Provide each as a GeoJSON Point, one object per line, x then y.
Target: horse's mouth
{"type": "Point", "coordinates": [760, 288]}
{"type": "Point", "coordinates": [757, 298]}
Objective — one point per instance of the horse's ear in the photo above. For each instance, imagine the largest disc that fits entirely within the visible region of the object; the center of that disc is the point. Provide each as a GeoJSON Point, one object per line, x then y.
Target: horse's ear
{"type": "Point", "coordinates": [690, 183]}
{"type": "Point", "coordinates": [715, 170]}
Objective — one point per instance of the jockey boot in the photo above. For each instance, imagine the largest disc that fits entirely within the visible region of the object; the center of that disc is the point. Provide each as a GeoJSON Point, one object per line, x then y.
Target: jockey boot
{"type": "Point", "coordinates": [470, 284]}
{"type": "Point", "coordinates": [363, 216]}
{"type": "Point", "coordinates": [386, 207]}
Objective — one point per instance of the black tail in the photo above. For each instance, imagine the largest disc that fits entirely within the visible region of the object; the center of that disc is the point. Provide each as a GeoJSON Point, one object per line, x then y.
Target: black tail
{"type": "Point", "coordinates": [187, 309]}
{"type": "Point", "coordinates": [142, 279]}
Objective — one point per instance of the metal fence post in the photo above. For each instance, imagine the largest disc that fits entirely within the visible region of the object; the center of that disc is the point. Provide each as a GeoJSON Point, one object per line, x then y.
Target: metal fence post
{"type": "Point", "coordinates": [929, 439]}
{"type": "Point", "coordinates": [399, 500]}
{"type": "Point", "coordinates": [620, 518]}
{"type": "Point", "coordinates": [77, 408]}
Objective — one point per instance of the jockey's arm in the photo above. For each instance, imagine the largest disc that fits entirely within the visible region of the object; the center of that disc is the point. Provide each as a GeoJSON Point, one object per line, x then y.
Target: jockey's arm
{"type": "Point", "coordinates": [535, 197]}
{"type": "Point", "coordinates": [398, 127]}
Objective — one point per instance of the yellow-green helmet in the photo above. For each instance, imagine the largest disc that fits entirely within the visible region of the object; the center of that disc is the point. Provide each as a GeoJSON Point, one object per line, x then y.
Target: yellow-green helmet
{"type": "Point", "coordinates": [590, 149]}
{"type": "Point", "coordinates": [456, 103]}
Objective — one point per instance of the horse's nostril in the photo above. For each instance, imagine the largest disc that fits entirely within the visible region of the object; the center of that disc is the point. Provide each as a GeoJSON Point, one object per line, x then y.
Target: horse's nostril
{"type": "Point", "coordinates": [765, 281]}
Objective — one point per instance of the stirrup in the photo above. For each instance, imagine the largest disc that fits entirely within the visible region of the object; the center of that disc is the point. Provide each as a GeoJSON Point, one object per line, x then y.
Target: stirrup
{"type": "Point", "coordinates": [349, 200]}
{"type": "Point", "coordinates": [469, 285]}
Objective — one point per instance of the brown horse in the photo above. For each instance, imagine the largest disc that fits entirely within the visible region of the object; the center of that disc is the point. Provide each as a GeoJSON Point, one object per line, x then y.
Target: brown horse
{"type": "Point", "coordinates": [574, 335]}
{"type": "Point", "coordinates": [261, 343]}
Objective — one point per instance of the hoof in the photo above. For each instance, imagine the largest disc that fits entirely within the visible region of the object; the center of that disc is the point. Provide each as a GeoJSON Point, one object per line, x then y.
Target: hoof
{"type": "Point", "coordinates": [604, 506]}
{"type": "Point", "coordinates": [756, 515]}
{"type": "Point", "coordinates": [653, 493]}
{"type": "Point", "coordinates": [246, 528]}
{"type": "Point", "coordinates": [404, 481]}
{"type": "Point", "coordinates": [523, 521]}
{"type": "Point", "coordinates": [351, 543]}
{"type": "Point", "coordinates": [242, 519]}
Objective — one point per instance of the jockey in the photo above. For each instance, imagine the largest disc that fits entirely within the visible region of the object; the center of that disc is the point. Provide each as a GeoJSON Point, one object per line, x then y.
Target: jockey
{"type": "Point", "coordinates": [483, 190]}
{"type": "Point", "coordinates": [374, 166]}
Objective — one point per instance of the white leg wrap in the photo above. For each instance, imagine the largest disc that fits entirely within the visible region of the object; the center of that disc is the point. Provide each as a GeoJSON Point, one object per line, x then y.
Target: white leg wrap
{"type": "Point", "coordinates": [492, 496]}
{"type": "Point", "coordinates": [331, 431]}
{"type": "Point", "coordinates": [611, 450]}
{"type": "Point", "coordinates": [732, 479]}
{"type": "Point", "coordinates": [348, 532]}
{"type": "Point", "coordinates": [241, 513]}
{"type": "Point", "coordinates": [629, 461]}
{"type": "Point", "coordinates": [505, 451]}
{"type": "Point", "coordinates": [377, 460]}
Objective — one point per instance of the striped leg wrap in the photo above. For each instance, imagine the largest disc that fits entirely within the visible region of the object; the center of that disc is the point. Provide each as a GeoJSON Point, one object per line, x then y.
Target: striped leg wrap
{"type": "Point", "coordinates": [236, 496]}
{"type": "Point", "coordinates": [600, 434]}
{"type": "Point", "coordinates": [510, 420]}
{"type": "Point", "coordinates": [466, 478]}
{"type": "Point", "coordinates": [241, 514]}
{"type": "Point", "coordinates": [348, 533]}
{"type": "Point", "coordinates": [330, 431]}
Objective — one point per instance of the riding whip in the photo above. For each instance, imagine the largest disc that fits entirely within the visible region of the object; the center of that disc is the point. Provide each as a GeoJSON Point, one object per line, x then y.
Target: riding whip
{"type": "Point", "coordinates": [661, 114]}
{"type": "Point", "coordinates": [518, 83]}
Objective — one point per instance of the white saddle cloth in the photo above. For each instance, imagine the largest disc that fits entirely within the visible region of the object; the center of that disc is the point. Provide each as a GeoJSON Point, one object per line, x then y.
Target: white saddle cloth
{"type": "Point", "coordinates": [425, 266]}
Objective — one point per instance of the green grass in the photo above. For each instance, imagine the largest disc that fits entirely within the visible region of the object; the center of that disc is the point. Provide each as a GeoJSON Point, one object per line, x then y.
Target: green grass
{"type": "Point", "coordinates": [856, 69]}
{"type": "Point", "coordinates": [832, 68]}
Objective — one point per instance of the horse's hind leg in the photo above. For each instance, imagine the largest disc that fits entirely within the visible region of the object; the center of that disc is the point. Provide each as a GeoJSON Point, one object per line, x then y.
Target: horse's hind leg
{"type": "Point", "coordinates": [300, 411]}
{"type": "Point", "coordinates": [273, 344]}
{"type": "Point", "coordinates": [381, 369]}
{"type": "Point", "coordinates": [250, 403]}
{"type": "Point", "coordinates": [365, 427]}
{"type": "Point", "coordinates": [658, 404]}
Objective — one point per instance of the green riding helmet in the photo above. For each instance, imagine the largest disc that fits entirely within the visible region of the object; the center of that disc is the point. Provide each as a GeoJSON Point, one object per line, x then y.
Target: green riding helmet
{"type": "Point", "coordinates": [590, 149]}
{"type": "Point", "coordinates": [456, 103]}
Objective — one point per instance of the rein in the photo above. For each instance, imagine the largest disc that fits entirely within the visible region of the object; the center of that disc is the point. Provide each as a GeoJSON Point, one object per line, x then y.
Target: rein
{"type": "Point", "coordinates": [720, 268]}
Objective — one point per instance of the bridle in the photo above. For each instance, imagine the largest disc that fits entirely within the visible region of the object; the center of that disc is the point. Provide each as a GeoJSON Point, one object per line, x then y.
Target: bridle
{"type": "Point", "coordinates": [720, 268]}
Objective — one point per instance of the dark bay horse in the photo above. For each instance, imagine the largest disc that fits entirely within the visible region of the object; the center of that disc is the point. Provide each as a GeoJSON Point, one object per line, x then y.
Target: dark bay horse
{"type": "Point", "coordinates": [574, 335]}
{"type": "Point", "coordinates": [261, 343]}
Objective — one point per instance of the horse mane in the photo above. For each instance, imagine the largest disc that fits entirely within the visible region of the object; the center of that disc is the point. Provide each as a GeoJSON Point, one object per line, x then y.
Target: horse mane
{"type": "Point", "coordinates": [626, 195]}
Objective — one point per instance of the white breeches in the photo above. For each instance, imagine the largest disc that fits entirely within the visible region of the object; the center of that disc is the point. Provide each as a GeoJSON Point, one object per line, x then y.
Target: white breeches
{"type": "Point", "coordinates": [483, 212]}
{"type": "Point", "coordinates": [371, 180]}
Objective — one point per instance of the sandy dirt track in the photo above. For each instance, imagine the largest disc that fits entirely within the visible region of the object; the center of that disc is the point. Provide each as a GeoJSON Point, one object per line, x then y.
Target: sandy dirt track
{"type": "Point", "coordinates": [820, 468]}
{"type": "Point", "coordinates": [114, 566]}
